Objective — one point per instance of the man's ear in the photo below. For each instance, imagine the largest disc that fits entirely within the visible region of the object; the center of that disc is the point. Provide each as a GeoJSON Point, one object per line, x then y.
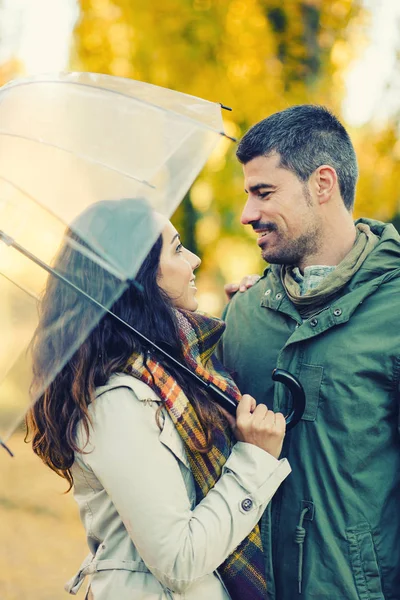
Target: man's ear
{"type": "Point", "coordinates": [325, 183]}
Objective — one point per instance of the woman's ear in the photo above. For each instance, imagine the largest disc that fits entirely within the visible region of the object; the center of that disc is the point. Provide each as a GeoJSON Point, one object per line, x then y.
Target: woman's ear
{"type": "Point", "coordinates": [325, 183]}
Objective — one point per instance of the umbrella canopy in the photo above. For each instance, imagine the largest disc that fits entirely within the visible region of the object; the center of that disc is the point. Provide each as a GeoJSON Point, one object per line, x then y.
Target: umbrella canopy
{"type": "Point", "coordinates": [87, 161]}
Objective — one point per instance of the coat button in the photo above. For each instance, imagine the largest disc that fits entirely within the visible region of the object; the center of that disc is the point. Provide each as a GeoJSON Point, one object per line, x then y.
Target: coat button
{"type": "Point", "coordinates": [278, 296]}
{"type": "Point", "coordinates": [313, 322]}
{"type": "Point", "coordinates": [337, 312]}
{"type": "Point", "coordinates": [267, 293]}
{"type": "Point", "coordinates": [247, 504]}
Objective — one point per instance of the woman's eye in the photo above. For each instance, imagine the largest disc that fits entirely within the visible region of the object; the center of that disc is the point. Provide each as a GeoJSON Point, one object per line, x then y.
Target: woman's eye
{"type": "Point", "coordinates": [179, 248]}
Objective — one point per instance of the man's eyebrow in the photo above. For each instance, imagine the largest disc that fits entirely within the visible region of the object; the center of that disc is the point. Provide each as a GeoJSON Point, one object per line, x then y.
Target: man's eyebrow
{"type": "Point", "coordinates": [259, 186]}
{"type": "Point", "coordinates": [174, 238]}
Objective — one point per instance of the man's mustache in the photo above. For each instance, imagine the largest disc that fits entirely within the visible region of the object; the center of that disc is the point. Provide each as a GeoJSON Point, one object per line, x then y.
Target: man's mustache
{"type": "Point", "coordinates": [266, 226]}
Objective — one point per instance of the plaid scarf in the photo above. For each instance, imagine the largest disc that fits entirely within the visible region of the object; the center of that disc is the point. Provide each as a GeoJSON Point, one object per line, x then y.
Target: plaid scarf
{"type": "Point", "coordinates": [243, 572]}
{"type": "Point", "coordinates": [319, 297]}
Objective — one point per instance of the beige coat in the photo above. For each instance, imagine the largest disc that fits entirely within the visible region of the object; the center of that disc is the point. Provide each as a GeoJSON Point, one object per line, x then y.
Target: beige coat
{"type": "Point", "coordinates": [136, 495]}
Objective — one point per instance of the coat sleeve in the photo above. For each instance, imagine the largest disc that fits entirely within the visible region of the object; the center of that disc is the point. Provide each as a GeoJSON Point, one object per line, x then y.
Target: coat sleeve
{"type": "Point", "coordinates": [145, 483]}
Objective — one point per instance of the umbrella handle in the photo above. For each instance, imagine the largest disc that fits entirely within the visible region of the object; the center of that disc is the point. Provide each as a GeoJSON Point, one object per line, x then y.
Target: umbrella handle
{"type": "Point", "coordinates": [298, 396]}
{"type": "Point", "coordinates": [290, 381]}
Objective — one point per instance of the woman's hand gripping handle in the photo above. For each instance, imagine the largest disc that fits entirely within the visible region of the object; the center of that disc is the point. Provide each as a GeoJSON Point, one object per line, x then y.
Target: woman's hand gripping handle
{"type": "Point", "coordinates": [257, 425]}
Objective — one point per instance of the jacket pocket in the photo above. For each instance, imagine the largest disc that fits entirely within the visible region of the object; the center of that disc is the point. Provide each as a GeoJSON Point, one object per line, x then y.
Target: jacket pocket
{"type": "Point", "coordinates": [310, 377]}
{"type": "Point", "coordinates": [364, 562]}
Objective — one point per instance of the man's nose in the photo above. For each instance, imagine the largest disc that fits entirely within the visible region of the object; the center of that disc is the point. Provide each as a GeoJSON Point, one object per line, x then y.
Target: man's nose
{"type": "Point", "coordinates": [250, 212]}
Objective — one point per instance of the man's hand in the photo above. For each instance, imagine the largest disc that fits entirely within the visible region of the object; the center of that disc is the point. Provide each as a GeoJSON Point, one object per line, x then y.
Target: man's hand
{"type": "Point", "coordinates": [247, 282]}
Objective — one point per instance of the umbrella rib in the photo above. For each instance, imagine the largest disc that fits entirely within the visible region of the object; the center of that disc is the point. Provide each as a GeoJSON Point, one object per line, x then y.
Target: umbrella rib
{"type": "Point", "coordinates": [83, 156]}
{"type": "Point", "coordinates": [104, 264]}
{"type": "Point", "coordinates": [134, 99]}
{"type": "Point", "coordinates": [102, 261]}
{"type": "Point", "coordinates": [34, 200]}
{"type": "Point", "coordinates": [21, 287]}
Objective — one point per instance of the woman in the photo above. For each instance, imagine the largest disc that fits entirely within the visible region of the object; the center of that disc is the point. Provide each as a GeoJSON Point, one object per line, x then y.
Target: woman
{"type": "Point", "coordinates": [169, 498]}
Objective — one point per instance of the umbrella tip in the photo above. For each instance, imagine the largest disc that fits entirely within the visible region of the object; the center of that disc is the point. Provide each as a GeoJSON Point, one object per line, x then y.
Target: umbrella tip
{"type": "Point", "coordinates": [6, 448]}
{"type": "Point", "coordinates": [222, 132]}
{"type": "Point", "coordinates": [6, 239]}
{"type": "Point", "coordinates": [228, 136]}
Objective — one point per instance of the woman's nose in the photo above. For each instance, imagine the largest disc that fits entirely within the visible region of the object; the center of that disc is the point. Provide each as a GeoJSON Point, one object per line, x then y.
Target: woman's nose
{"type": "Point", "coordinates": [195, 261]}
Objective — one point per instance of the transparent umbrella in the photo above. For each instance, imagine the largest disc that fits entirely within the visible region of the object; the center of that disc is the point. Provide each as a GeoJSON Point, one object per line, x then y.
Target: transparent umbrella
{"type": "Point", "coordinates": [67, 143]}
{"type": "Point", "coordinates": [88, 162]}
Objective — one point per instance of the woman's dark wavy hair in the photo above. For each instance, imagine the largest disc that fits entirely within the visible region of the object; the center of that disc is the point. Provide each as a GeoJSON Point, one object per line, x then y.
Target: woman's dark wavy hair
{"type": "Point", "coordinates": [62, 401]}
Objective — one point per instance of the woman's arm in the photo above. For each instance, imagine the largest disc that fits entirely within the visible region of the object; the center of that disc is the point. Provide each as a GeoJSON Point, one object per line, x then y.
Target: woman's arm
{"type": "Point", "coordinates": [144, 481]}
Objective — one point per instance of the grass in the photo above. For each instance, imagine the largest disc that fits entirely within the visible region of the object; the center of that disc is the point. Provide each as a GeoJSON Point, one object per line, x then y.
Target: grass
{"type": "Point", "coordinates": [42, 540]}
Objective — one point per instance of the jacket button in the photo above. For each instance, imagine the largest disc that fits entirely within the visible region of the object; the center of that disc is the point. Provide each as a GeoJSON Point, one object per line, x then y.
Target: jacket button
{"type": "Point", "coordinates": [313, 322]}
{"type": "Point", "coordinates": [337, 312]}
{"type": "Point", "coordinates": [247, 504]}
{"type": "Point", "coordinates": [267, 293]}
{"type": "Point", "coordinates": [279, 296]}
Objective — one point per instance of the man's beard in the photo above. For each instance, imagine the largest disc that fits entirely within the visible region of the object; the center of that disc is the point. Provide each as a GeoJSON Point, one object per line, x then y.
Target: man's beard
{"type": "Point", "coordinates": [290, 251]}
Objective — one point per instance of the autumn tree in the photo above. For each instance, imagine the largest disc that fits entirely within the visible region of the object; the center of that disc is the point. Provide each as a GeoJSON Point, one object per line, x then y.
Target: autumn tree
{"type": "Point", "coordinates": [257, 56]}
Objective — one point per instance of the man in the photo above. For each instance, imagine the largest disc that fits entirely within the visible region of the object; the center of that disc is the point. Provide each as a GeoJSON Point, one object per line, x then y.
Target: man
{"type": "Point", "coordinates": [327, 310]}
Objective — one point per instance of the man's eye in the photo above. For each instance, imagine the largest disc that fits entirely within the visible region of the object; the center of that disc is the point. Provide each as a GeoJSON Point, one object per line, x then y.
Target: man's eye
{"type": "Point", "coordinates": [264, 194]}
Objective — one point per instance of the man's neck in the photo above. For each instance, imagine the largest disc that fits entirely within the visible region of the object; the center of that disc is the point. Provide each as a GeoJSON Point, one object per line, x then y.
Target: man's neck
{"type": "Point", "coordinates": [336, 245]}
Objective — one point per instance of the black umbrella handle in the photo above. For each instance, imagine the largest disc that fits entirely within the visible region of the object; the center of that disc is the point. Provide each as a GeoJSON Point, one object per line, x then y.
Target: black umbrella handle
{"type": "Point", "coordinates": [290, 381]}
{"type": "Point", "coordinates": [298, 396]}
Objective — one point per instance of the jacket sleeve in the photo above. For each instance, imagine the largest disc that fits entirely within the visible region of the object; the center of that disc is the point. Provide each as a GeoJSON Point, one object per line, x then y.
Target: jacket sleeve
{"type": "Point", "coordinates": [145, 483]}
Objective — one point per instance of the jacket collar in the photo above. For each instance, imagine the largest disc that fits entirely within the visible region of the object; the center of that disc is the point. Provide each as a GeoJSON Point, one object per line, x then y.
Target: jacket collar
{"type": "Point", "coordinates": [385, 257]}
{"type": "Point", "coordinates": [382, 263]}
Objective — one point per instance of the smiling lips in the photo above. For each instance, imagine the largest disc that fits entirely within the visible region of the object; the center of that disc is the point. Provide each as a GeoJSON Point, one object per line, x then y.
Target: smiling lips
{"type": "Point", "coordinates": [263, 230]}
{"type": "Point", "coordinates": [262, 235]}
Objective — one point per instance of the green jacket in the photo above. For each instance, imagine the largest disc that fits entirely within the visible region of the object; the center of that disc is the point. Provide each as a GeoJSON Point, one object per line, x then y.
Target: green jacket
{"type": "Point", "coordinates": [345, 452]}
